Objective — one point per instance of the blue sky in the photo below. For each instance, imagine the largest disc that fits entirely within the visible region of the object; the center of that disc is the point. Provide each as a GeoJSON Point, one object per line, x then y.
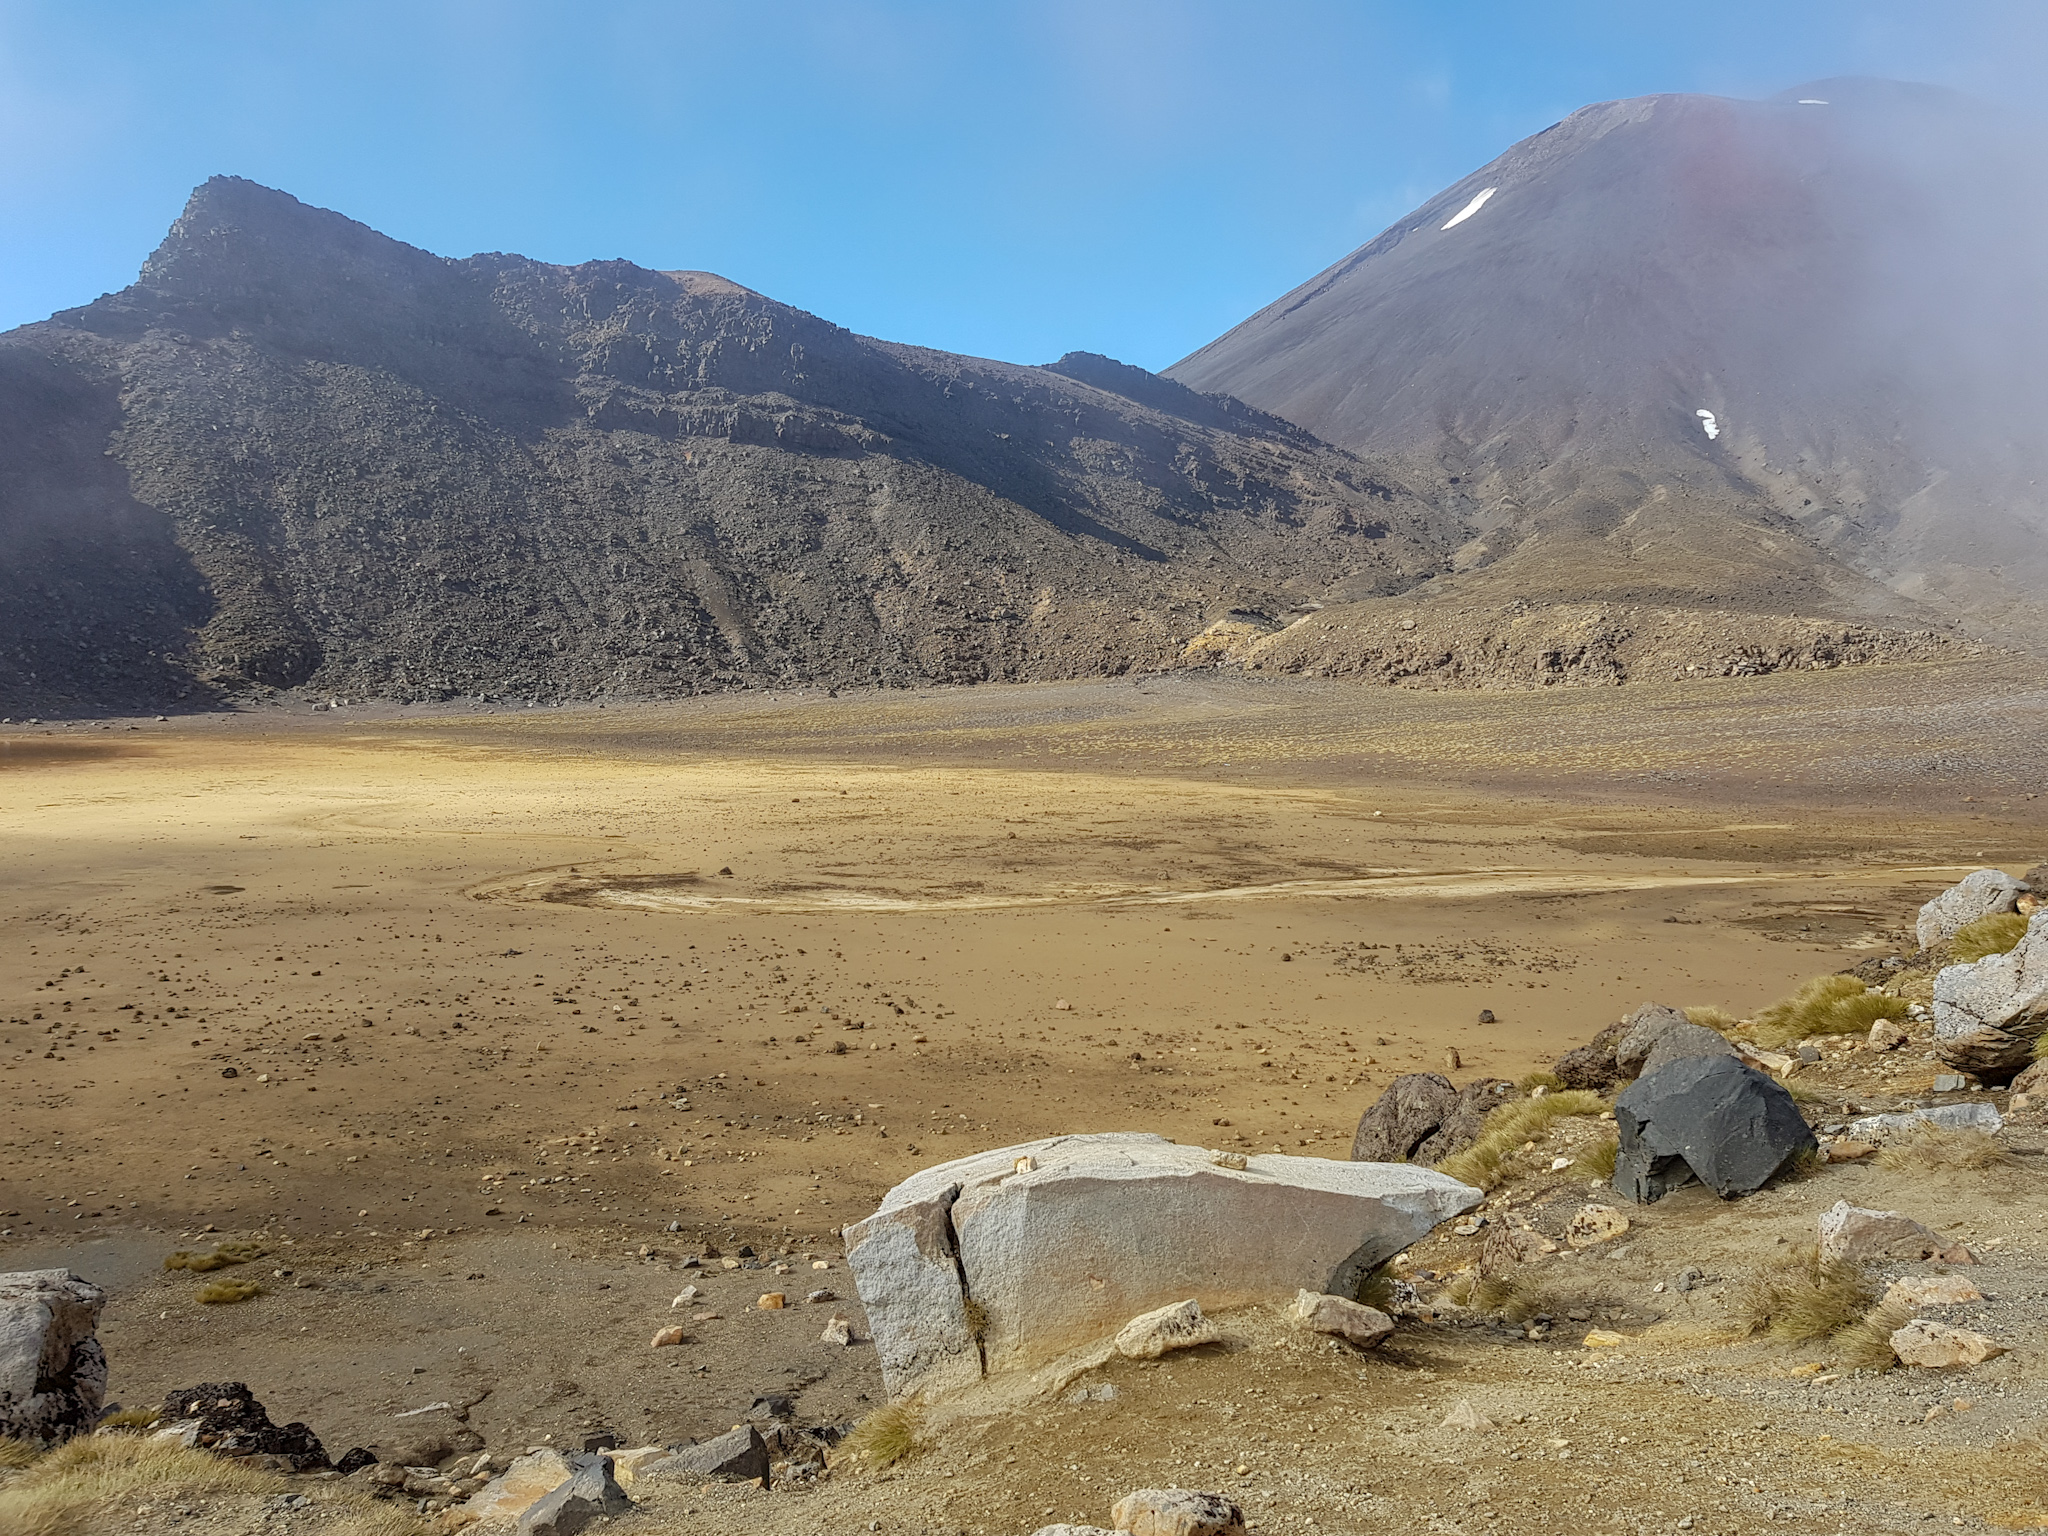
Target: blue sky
{"type": "Point", "coordinates": [1124, 176]}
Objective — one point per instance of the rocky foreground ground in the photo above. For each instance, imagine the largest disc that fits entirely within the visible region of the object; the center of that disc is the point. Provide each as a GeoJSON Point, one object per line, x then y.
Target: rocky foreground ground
{"type": "Point", "coordinates": [1850, 1344]}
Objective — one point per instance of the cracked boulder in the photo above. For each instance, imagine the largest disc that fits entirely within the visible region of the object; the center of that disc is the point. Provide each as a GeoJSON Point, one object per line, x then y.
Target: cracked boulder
{"type": "Point", "coordinates": [1006, 1260]}
{"type": "Point", "coordinates": [1706, 1117]}
{"type": "Point", "coordinates": [1988, 1015]}
{"type": "Point", "coordinates": [1422, 1119]}
{"type": "Point", "coordinates": [53, 1376]}
{"type": "Point", "coordinates": [1981, 893]}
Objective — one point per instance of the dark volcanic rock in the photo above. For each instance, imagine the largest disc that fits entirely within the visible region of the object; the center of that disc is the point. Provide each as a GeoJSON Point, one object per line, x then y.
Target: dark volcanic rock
{"type": "Point", "coordinates": [1460, 1128]}
{"type": "Point", "coordinates": [1592, 1065]}
{"type": "Point", "coordinates": [298, 453]}
{"type": "Point", "coordinates": [1709, 1117]}
{"type": "Point", "coordinates": [233, 1423]}
{"type": "Point", "coordinates": [1403, 1117]}
{"type": "Point", "coordinates": [739, 1455]}
{"type": "Point", "coordinates": [590, 1494]}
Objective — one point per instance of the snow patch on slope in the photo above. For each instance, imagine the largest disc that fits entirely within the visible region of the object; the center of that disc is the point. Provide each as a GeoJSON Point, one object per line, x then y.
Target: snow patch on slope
{"type": "Point", "coordinates": [1471, 208]}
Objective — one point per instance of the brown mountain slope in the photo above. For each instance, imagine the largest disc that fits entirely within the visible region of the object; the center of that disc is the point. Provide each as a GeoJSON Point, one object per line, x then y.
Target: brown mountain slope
{"type": "Point", "coordinates": [296, 452]}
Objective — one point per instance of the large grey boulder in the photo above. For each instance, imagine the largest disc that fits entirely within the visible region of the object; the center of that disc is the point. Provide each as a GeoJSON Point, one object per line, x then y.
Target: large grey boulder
{"type": "Point", "coordinates": [1006, 1260]}
{"type": "Point", "coordinates": [1978, 894]}
{"type": "Point", "coordinates": [1640, 1033]}
{"type": "Point", "coordinates": [1705, 1117]}
{"type": "Point", "coordinates": [1988, 1015]}
{"type": "Point", "coordinates": [53, 1375]}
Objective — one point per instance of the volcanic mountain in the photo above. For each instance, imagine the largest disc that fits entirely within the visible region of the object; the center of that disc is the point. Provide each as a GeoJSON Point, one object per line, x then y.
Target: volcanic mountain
{"type": "Point", "coordinates": [1785, 356]}
{"type": "Point", "coordinates": [298, 453]}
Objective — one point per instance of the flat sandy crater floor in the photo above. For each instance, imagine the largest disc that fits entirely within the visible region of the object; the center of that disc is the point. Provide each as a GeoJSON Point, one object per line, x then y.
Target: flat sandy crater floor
{"type": "Point", "coordinates": [482, 1021]}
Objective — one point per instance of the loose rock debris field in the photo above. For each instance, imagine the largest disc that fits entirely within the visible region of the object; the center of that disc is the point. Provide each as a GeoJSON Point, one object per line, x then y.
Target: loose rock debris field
{"type": "Point", "coordinates": [482, 1025]}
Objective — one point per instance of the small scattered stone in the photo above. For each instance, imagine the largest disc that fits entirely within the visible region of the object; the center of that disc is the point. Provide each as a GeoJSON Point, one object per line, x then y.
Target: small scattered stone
{"type": "Point", "coordinates": [667, 1338]}
{"type": "Point", "coordinates": [1465, 1416]}
{"type": "Point", "coordinates": [772, 1301]}
{"type": "Point", "coordinates": [1179, 1325]}
{"type": "Point", "coordinates": [1594, 1225]}
{"type": "Point", "coordinates": [1936, 1346]}
{"type": "Point", "coordinates": [1863, 1236]}
{"type": "Point", "coordinates": [1177, 1512]}
{"type": "Point", "coordinates": [1353, 1321]}
{"type": "Point", "coordinates": [688, 1294]}
{"type": "Point", "coordinates": [1604, 1338]}
{"type": "Point", "coordinates": [590, 1493]}
{"type": "Point", "coordinates": [1888, 1035]}
{"type": "Point", "coordinates": [838, 1331]}
{"type": "Point", "coordinates": [1931, 1291]}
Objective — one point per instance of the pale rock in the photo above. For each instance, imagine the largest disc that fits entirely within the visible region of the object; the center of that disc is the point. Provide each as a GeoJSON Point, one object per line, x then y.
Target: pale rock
{"type": "Point", "coordinates": [1988, 1015]}
{"type": "Point", "coordinates": [1888, 1035]}
{"type": "Point", "coordinates": [183, 1432]}
{"type": "Point", "coordinates": [772, 1301]}
{"type": "Point", "coordinates": [1109, 1226]}
{"type": "Point", "coordinates": [1604, 1338]}
{"type": "Point", "coordinates": [626, 1465]}
{"type": "Point", "coordinates": [53, 1375]}
{"type": "Point", "coordinates": [1072, 1530]}
{"type": "Point", "coordinates": [1863, 1236]}
{"type": "Point", "coordinates": [520, 1486]}
{"type": "Point", "coordinates": [1594, 1225]}
{"type": "Point", "coordinates": [1978, 894]}
{"type": "Point", "coordinates": [1163, 1330]}
{"type": "Point", "coordinates": [1976, 1115]}
{"type": "Point", "coordinates": [1176, 1512]}
{"type": "Point", "coordinates": [1465, 1416]}
{"type": "Point", "coordinates": [838, 1331]}
{"type": "Point", "coordinates": [1352, 1321]}
{"type": "Point", "coordinates": [667, 1337]}
{"type": "Point", "coordinates": [1937, 1345]}
{"type": "Point", "coordinates": [1931, 1291]}
{"type": "Point", "coordinates": [684, 1297]}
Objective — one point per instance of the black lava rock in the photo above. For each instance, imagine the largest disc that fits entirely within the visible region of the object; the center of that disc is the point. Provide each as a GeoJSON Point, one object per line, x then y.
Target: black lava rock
{"type": "Point", "coordinates": [233, 1423]}
{"type": "Point", "coordinates": [1707, 1117]}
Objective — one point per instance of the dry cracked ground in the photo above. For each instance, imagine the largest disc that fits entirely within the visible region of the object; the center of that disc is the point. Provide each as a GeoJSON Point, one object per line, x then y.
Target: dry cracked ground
{"type": "Point", "coordinates": [481, 1024]}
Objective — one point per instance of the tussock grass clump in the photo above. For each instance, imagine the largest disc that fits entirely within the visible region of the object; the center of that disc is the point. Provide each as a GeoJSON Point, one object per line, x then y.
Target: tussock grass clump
{"type": "Point", "coordinates": [221, 1257]}
{"type": "Point", "coordinates": [1997, 934]}
{"type": "Point", "coordinates": [131, 1418]}
{"type": "Point", "coordinates": [15, 1454]}
{"type": "Point", "coordinates": [1598, 1163]}
{"type": "Point", "coordinates": [1866, 1344]}
{"type": "Point", "coordinates": [1514, 1297]}
{"type": "Point", "coordinates": [1508, 1126]}
{"type": "Point", "coordinates": [225, 1293]}
{"type": "Point", "coordinates": [885, 1436]}
{"type": "Point", "coordinates": [1801, 1297]}
{"type": "Point", "coordinates": [1377, 1289]}
{"type": "Point", "coordinates": [1707, 1016]}
{"type": "Point", "coordinates": [1826, 1005]}
{"type": "Point", "coordinates": [1548, 1081]}
{"type": "Point", "coordinates": [76, 1490]}
{"type": "Point", "coordinates": [1931, 1148]}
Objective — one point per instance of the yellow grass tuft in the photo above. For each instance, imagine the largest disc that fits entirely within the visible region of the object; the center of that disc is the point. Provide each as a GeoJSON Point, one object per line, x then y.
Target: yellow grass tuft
{"type": "Point", "coordinates": [221, 1257]}
{"type": "Point", "coordinates": [1508, 1126]}
{"type": "Point", "coordinates": [1709, 1017]}
{"type": "Point", "coordinates": [1867, 1343]}
{"type": "Point", "coordinates": [77, 1489]}
{"type": "Point", "coordinates": [1545, 1080]}
{"type": "Point", "coordinates": [1997, 934]}
{"type": "Point", "coordinates": [1517, 1297]}
{"type": "Point", "coordinates": [885, 1436]}
{"type": "Point", "coordinates": [1801, 1296]}
{"type": "Point", "coordinates": [1826, 1005]}
{"type": "Point", "coordinates": [1933, 1148]}
{"type": "Point", "coordinates": [1598, 1163]}
{"type": "Point", "coordinates": [131, 1418]}
{"type": "Point", "coordinates": [15, 1454]}
{"type": "Point", "coordinates": [225, 1293]}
